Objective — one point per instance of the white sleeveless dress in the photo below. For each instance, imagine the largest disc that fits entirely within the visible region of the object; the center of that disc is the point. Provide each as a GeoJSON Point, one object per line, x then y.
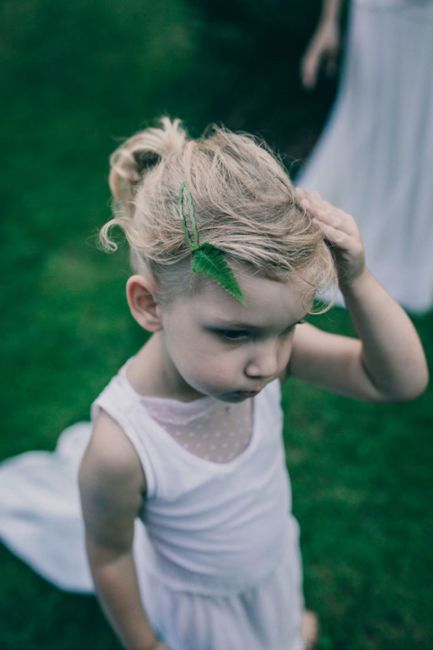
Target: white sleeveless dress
{"type": "Point", "coordinates": [218, 555]}
{"type": "Point", "coordinates": [374, 158]}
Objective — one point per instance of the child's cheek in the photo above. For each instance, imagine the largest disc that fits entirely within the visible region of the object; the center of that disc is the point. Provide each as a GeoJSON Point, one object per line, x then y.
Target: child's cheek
{"type": "Point", "coordinates": [214, 371]}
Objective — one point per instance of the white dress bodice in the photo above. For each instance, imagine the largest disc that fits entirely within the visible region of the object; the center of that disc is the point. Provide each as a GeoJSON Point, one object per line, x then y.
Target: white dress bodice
{"type": "Point", "coordinates": [209, 526]}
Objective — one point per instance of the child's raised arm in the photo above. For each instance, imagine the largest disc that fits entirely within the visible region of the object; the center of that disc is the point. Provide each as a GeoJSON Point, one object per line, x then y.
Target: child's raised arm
{"type": "Point", "coordinates": [111, 487]}
{"type": "Point", "coordinates": [387, 363]}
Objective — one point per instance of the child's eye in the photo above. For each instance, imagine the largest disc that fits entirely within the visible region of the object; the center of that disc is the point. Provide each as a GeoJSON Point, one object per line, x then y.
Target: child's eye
{"type": "Point", "coordinates": [233, 335]}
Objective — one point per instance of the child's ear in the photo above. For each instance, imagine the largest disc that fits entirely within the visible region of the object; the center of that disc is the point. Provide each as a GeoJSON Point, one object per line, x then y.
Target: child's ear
{"type": "Point", "coordinates": [141, 296]}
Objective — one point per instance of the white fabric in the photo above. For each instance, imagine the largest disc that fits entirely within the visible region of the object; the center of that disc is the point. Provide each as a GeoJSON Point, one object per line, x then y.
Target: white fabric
{"type": "Point", "coordinates": [217, 560]}
{"type": "Point", "coordinates": [375, 156]}
{"type": "Point", "coordinates": [206, 427]}
{"type": "Point", "coordinates": [40, 514]}
{"type": "Point", "coordinates": [390, 4]}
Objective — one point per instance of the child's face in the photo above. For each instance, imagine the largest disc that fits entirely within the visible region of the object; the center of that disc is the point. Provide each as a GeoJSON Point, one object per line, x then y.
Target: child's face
{"type": "Point", "coordinates": [213, 345]}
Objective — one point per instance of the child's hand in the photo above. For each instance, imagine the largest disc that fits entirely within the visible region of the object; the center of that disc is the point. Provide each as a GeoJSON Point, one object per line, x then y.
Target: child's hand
{"type": "Point", "coordinates": [340, 231]}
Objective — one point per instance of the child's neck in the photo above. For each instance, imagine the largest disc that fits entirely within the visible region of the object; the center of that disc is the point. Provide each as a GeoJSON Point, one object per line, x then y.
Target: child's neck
{"type": "Point", "coordinates": [151, 373]}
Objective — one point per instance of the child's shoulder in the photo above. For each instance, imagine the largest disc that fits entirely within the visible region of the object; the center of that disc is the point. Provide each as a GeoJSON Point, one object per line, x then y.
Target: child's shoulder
{"type": "Point", "coordinates": [110, 458]}
{"type": "Point", "coordinates": [111, 486]}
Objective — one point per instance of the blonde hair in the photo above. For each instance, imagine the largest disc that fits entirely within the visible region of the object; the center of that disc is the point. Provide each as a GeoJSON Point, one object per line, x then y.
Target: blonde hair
{"type": "Point", "coordinates": [244, 205]}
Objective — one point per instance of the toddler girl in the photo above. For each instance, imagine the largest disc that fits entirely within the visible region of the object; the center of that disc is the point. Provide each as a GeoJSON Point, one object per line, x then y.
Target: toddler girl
{"type": "Point", "coordinates": [184, 489]}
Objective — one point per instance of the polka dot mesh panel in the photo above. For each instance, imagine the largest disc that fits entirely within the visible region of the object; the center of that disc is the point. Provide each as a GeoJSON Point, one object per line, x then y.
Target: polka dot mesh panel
{"type": "Point", "coordinates": [206, 427]}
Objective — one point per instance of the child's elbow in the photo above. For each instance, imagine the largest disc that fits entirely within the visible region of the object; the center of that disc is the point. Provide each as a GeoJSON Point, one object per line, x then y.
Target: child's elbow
{"type": "Point", "coordinates": [421, 386]}
{"type": "Point", "coordinates": [422, 383]}
{"type": "Point", "coordinates": [411, 390]}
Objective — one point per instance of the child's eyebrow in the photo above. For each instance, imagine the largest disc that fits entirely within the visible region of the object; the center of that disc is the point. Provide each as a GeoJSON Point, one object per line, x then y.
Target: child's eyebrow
{"type": "Point", "coordinates": [217, 321]}
{"type": "Point", "coordinates": [227, 324]}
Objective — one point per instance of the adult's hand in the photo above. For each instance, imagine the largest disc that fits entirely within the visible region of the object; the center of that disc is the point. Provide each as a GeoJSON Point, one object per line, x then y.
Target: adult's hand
{"type": "Point", "coordinates": [321, 51]}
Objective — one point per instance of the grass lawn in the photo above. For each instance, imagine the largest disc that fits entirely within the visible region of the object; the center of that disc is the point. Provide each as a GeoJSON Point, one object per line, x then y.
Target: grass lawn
{"type": "Point", "coordinates": [75, 77]}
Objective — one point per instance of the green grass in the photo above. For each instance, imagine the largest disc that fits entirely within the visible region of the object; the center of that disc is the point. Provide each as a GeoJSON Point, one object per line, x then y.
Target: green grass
{"type": "Point", "coordinates": [75, 77]}
{"type": "Point", "coordinates": [362, 487]}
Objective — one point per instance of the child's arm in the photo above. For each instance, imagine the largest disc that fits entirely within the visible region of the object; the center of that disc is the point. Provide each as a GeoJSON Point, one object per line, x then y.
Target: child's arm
{"type": "Point", "coordinates": [112, 484]}
{"type": "Point", "coordinates": [387, 363]}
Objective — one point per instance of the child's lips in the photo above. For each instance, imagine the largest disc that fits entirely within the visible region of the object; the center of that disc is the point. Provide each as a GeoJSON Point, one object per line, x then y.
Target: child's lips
{"type": "Point", "coordinates": [248, 393]}
{"type": "Point", "coordinates": [245, 394]}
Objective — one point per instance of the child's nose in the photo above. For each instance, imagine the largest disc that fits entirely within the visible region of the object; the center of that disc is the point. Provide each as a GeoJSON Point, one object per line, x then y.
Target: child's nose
{"type": "Point", "coordinates": [264, 363]}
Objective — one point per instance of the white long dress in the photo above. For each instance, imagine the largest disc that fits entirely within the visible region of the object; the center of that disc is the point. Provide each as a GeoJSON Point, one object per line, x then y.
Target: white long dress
{"type": "Point", "coordinates": [374, 158]}
{"type": "Point", "coordinates": [215, 545]}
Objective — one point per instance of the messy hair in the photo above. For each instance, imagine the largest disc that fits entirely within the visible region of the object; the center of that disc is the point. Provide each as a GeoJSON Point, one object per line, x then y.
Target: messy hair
{"type": "Point", "coordinates": [244, 203]}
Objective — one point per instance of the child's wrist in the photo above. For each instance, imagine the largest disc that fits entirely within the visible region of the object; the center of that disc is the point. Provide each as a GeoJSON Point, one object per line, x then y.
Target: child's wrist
{"type": "Point", "coordinates": [353, 283]}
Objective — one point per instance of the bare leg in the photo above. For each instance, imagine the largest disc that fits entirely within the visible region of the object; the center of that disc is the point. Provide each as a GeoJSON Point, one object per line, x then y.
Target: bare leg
{"type": "Point", "coordinates": [309, 629]}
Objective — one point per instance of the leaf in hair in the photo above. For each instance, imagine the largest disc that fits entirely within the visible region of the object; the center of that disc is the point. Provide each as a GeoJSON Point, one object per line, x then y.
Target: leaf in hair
{"type": "Point", "coordinates": [209, 260]}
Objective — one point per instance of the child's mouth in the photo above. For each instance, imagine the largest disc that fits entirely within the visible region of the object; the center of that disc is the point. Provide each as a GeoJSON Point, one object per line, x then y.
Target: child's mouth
{"type": "Point", "coordinates": [244, 394]}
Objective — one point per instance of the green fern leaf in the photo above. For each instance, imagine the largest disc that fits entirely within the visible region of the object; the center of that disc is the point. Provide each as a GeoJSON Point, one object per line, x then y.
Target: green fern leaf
{"type": "Point", "coordinates": [209, 260]}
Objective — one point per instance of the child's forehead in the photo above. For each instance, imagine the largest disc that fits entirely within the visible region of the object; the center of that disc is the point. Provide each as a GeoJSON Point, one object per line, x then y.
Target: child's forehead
{"type": "Point", "coordinates": [266, 301]}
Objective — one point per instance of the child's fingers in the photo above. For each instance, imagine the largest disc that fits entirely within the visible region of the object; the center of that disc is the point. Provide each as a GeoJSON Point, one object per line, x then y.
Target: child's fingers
{"type": "Point", "coordinates": [337, 236]}
{"type": "Point", "coordinates": [336, 218]}
{"type": "Point", "coordinates": [325, 212]}
{"type": "Point", "coordinates": [337, 226]}
{"type": "Point", "coordinates": [340, 231]}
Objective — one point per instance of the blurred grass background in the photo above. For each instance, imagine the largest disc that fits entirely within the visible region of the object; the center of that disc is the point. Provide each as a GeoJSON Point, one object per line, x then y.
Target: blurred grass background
{"type": "Point", "coordinates": [75, 78]}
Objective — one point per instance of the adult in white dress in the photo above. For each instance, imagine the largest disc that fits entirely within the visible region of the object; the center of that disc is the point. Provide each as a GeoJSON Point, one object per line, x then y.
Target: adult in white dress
{"type": "Point", "coordinates": [374, 159]}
